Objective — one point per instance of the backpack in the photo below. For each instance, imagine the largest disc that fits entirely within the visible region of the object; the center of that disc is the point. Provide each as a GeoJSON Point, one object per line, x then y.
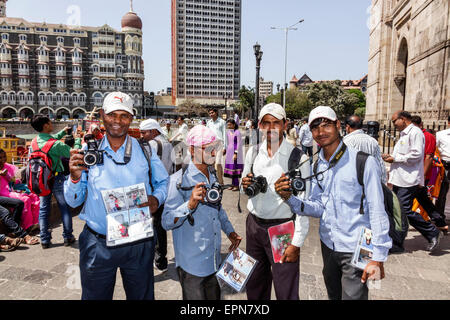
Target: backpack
{"type": "Point", "coordinates": [39, 173]}
{"type": "Point", "coordinates": [398, 222]}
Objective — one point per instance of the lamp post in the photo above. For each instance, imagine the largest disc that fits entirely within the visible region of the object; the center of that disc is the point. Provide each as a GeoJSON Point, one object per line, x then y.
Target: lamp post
{"type": "Point", "coordinates": [226, 96]}
{"type": "Point", "coordinates": [258, 55]}
{"type": "Point", "coordinates": [286, 30]}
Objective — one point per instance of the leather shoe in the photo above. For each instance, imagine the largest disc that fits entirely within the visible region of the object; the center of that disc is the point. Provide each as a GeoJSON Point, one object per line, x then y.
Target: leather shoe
{"type": "Point", "coordinates": [434, 243]}
{"type": "Point", "coordinates": [68, 242]}
{"type": "Point", "coordinates": [45, 245]}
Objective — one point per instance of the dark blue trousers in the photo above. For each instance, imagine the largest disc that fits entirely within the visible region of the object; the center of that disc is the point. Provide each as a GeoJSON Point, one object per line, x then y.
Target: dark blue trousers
{"type": "Point", "coordinates": [99, 264]}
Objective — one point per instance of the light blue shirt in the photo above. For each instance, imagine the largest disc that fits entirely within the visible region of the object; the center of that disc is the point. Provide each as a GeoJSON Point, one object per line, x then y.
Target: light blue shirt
{"type": "Point", "coordinates": [338, 205]}
{"type": "Point", "coordinates": [197, 247]}
{"type": "Point", "coordinates": [111, 176]}
{"type": "Point", "coordinates": [220, 128]}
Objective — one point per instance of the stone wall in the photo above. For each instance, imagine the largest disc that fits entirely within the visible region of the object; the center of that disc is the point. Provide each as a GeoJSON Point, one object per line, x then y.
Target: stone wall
{"type": "Point", "coordinates": [24, 127]}
{"type": "Point", "coordinates": [415, 33]}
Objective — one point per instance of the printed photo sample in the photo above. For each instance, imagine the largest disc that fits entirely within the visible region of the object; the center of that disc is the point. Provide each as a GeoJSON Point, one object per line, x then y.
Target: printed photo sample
{"type": "Point", "coordinates": [236, 270]}
{"type": "Point", "coordinates": [135, 195]}
{"type": "Point", "coordinates": [364, 249]}
{"type": "Point", "coordinates": [280, 238]}
{"type": "Point", "coordinates": [141, 222]}
{"type": "Point", "coordinates": [114, 200]}
{"type": "Point", "coordinates": [118, 226]}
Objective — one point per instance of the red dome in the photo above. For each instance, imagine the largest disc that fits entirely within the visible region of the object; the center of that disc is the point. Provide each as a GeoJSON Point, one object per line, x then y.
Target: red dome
{"type": "Point", "coordinates": [131, 20]}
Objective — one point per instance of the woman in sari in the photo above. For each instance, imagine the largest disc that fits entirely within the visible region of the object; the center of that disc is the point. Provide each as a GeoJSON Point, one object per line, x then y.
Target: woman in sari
{"type": "Point", "coordinates": [234, 163]}
{"type": "Point", "coordinates": [30, 214]}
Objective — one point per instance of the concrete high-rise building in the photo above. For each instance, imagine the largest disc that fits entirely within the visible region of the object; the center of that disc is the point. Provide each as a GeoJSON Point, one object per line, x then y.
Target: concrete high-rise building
{"type": "Point", "coordinates": [206, 50]}
{"type": "Point", "coordinates": [65, 70]}
{"type": "Point", "coordinates": [265, 88]}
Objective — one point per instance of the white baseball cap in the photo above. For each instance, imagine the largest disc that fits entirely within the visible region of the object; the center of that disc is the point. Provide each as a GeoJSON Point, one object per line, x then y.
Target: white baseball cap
{"type": "Point", "coordinates": [273, 109]}
{"type": "Point", "coordinates": [322, 112]}
{"type": "Point", "coordinates": [118, 101]}
{"type": "Point", "coordinates": [150, 124]}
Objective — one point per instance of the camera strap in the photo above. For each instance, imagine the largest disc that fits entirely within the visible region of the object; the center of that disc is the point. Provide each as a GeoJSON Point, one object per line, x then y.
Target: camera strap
{"type": "Point", "coordinates": [333, 163]}
{"type": "Point", "coordinates": [127, 156]}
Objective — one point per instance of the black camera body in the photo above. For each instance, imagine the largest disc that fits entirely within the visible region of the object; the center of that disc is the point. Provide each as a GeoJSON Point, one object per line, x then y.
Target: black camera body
{"type": "Point", "coordinates": [298, 184]}
{"type": "Point", "coordinates": [214, 193]}
{"type": "Point", "coordinates": [258, 185]}
{"type": "Point", "coordinates": [92, 156]}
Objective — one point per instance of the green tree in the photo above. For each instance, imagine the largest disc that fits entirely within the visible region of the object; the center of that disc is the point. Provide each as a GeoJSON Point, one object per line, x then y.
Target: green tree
{"type": "Point", "coordinates": [246, 100]}
{"type": "Point", "coordinates": [297, 103]}
{"type": "Point", "coordinates": [330, 93]}
{"type": "Point", "coordinates": [191, 108]}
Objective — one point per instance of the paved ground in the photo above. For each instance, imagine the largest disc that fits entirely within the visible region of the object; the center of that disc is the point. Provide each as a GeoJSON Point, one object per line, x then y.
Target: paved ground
{"type": "Point", "coordinates": [36, 274]}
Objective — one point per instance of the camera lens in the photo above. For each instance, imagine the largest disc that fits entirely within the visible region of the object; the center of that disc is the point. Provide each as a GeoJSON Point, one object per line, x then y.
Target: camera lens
{"type": "Point", "coordinates": [252, 191]}
{"type": "Point", "coordinates": [90, 159]}
{"type": "Point", "coordinates": [213, 196]}
{"type": "Point", "coordinates": [298, 184]}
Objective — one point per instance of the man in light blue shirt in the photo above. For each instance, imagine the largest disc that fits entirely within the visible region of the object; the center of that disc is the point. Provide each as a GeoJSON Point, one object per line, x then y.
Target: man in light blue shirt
{"type": "Point", "coordinates": [335, 199]}
{"type": "Point", "coordinates": [98, 262]}
{"type": "Point", "coordinates": [196, 225]}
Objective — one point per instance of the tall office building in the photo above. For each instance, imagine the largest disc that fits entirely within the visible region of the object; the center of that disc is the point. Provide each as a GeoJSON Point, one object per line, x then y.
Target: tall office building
{"type": "Point", "coordinates": [206, 50]}
{"type": "Point", "coordinates": [65, 71]}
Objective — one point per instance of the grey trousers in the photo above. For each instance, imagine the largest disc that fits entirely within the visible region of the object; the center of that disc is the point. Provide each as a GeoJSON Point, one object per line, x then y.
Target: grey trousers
{"type": "Point", "coordinates": [342, 279]}
{"type": "Point", "coordinates": [198, 288]}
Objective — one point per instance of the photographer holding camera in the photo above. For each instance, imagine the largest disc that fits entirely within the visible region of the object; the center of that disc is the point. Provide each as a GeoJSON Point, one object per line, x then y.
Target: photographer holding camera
{"type": "Point", "coordinates": [118, 161]}
{"type": "Point", "coordinates": [58, 150]}
{"type": "Point", "coordinates": [262, 168]}
{"type": "Point", "coordinates": [194, 214]}
{"type": "Point", "coordinates": [335, 198]}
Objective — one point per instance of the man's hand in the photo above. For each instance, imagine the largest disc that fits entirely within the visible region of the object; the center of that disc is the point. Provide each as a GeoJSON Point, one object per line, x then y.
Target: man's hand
{"type": "Point", "coordinates": [387, 158]}
{"type": "Point", "coordinates": [152, 203]}
{"type": "Point", "coordinates": [76, 164]}
{"type": "Point", "coordinates": [198, 194]}
{"type": "Point", "coordinates": [291, 254]}
{"type": "Point", "coordinates": [67, 129]}
{"type": "Point", "coordinates": [235, 241]}
{"type": "Point", "coordinates": [224, 151]}
{"type": "Point", "coordinates": [247, 181]}
{"type": "Point", "coordinates": [373, 271]}
{"type": "Point", "coordinates": [283, 187]}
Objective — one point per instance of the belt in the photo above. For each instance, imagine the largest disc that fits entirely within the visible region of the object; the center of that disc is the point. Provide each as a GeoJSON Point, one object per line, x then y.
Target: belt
{"type": "Point", "coordinates": [272, 221]}
{"type": "Point", "coordinates": [98, 235]}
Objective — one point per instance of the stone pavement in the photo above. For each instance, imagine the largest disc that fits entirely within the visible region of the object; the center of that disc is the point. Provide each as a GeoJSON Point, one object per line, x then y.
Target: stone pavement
{"type": "Point", "coordinates": [34, 274]}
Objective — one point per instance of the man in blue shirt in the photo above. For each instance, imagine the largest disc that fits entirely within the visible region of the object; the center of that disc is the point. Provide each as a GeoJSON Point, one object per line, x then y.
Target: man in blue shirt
{"type": "Point", "coordinates": [335, 199]}
{"type": "Point", "coordinates": [99, 262]}
{"type": "Point", "coordinates": [195, 224]}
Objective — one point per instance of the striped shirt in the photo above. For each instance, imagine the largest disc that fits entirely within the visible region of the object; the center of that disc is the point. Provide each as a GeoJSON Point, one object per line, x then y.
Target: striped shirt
{"type": "Point", "coordinates": [363, 142]}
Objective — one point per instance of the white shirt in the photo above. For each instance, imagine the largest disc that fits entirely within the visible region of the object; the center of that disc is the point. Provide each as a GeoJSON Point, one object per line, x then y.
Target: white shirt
{"type": "Point", "coordinates": [181, 133]}
{"type": "Point", "coordinates": [443, 144]}
{"type": "Point", "coordinates": [305, 137]}
{"type": "Point", "coordinates": [166, 156]}
{"type": "Point", "coordinates": [270, 205]}
{"type": "Point", "coordinates": [220, 128]}
{"type": "Point", "coordinates": [407, 168]}
{"type": "Point", "coordinates": [363, 142]}
{"type": "Point", "coordinates": [248, 124]}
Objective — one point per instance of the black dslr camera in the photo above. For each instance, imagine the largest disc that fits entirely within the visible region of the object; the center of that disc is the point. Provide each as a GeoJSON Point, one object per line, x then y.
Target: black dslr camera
{"type": "Point", "coordinates": [259, 184]}
{"type": "Point", "coordinates": [92, 156]}
{"type": "Point", "coordinates": [298, 184]}
{"type": "Point", "coordinates": [214, 193]}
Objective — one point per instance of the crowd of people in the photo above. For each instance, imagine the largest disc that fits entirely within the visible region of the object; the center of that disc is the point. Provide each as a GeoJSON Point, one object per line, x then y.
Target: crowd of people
{"type": "Point", "coordinates": [183, 172]}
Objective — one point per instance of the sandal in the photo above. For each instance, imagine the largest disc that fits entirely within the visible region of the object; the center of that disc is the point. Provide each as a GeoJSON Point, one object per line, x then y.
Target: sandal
{"type": "Point", "coordinates": [6, 248]}
{"type": "Point", "coordinates": [30, 240]}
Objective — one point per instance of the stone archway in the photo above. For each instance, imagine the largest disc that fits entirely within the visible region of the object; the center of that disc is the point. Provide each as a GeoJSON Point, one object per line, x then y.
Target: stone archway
{"type": "Point", "coordinates": [9, 112]}
{"type": "Point", "coordinates": [79, 113]}
{"type": "Point", "coordinates": [26, 113]}
{"type": "Point", "coordinates": [400, 77]}
{"type": "Point", "coordinates": [62, 113]}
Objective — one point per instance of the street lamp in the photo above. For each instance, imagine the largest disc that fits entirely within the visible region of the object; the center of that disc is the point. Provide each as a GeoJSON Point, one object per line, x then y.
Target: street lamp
{"type": "Point", "coordinates": [258, 55]}
{"type": "Point", "coordinates": [226, 96]}
{"type": "Point", "coordinates": [286, 30]}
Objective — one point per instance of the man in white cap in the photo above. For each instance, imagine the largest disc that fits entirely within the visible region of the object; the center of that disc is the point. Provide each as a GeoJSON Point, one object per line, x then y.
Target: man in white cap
{"type": "Point", "coordinates": [336, 199]}
{"type": "Point", "coordinates": [268, 209]}
{"type": "Point", "coordinates": [126, 162]}
{"type": "Point", "coordinates": [152, 133]}
{"type": "Point", "coordinates": [196, 224]}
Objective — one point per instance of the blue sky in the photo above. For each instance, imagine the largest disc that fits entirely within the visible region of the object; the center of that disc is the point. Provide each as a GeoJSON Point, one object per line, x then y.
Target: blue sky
{"type": "Point", "coordinates": [332, 42]}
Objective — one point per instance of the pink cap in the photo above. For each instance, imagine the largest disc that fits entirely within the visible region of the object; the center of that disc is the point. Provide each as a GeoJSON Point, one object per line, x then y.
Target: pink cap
{"type": "Point", "coordinates": [200, 135]}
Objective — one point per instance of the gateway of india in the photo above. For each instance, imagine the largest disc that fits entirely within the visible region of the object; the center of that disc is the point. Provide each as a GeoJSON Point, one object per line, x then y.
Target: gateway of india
{"type": "Point", "coordinates": [409, 60]}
